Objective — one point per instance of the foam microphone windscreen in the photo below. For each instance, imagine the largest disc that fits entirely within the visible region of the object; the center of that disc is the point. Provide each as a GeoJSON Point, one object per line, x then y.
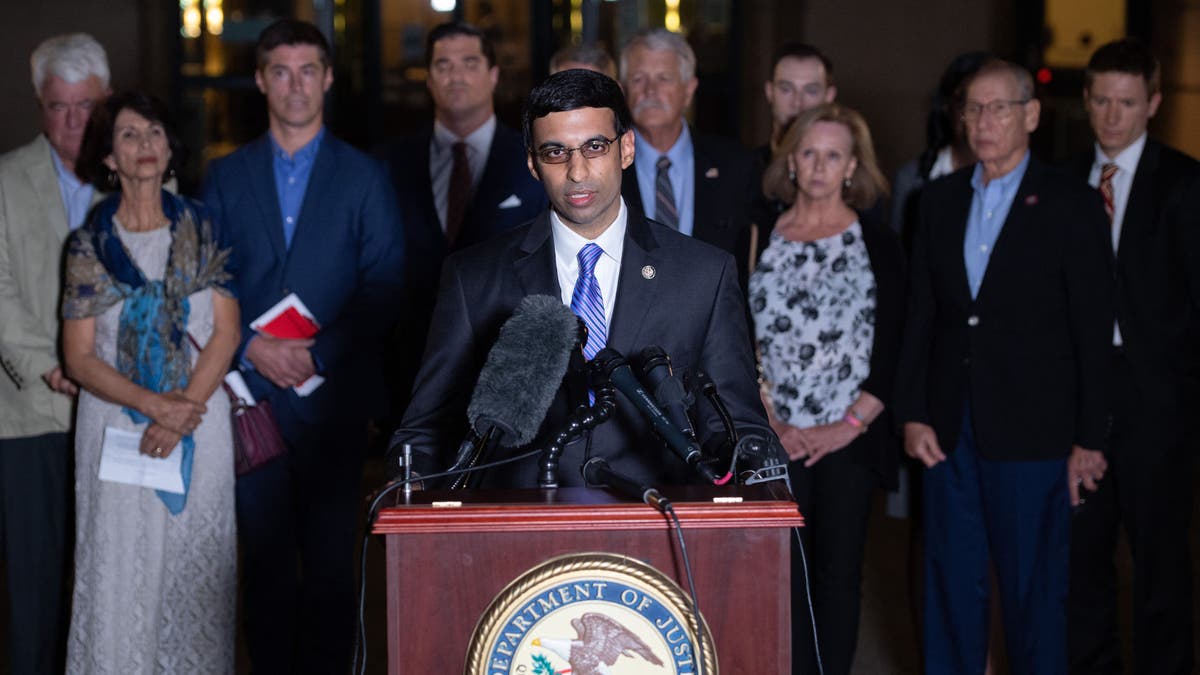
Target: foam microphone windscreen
{"type": "Point", "coordinates": [524, 369]}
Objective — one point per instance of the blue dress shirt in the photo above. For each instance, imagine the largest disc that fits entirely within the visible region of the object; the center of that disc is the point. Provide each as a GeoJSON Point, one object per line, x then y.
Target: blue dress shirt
{"type": "Point", "coordinates": [682, 174]}
{"type": "Point", "coordinates": [76, 194]}
{"type": "Point", "coordinates": [989, 208]}
{"type": "Point", "coordinates": [291, 180]}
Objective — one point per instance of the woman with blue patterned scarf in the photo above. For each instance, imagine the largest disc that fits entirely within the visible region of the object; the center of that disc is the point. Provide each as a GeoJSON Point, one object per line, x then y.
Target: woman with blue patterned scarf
{"type": "Point", "coordinates": [148, 273]}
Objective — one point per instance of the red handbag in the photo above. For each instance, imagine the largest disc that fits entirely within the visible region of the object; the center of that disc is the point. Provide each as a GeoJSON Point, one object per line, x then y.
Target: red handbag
{"type": "Point", "coordinates": [256, 436]}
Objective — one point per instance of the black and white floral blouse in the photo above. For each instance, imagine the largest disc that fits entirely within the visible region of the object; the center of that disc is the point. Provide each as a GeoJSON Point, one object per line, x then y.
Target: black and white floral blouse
{"type": "Point", "coordinates": [814, 318]}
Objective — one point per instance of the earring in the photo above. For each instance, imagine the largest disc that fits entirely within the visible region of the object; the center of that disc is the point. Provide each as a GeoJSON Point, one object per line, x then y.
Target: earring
{"type": "Point", "coordinates": [112, 178]}
{"type": "Point", "coordinates": [170, 175]}
{"type": "Point", "coordinates": [846, 183]}
{"type": "Point", "coordinates": [791, 175]}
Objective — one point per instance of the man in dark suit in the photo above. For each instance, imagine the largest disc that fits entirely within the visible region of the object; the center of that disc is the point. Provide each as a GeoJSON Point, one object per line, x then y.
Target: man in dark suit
{"type": "Point", "coordinates": [460, 182]}
{"type": "Point", "coordinates": [655, 287]}
{"type": "Point", "coordinates": [1004, 362]}
{"type": "Point", "coordinates": [308, 215]}
{"type": "Point", "coordinates": [703, 186]}
{"type": "Point", "coordinates": [1152, 193]}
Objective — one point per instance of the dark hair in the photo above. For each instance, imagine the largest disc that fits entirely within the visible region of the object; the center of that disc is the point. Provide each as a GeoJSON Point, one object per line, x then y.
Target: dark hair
{"type": "Point", "coordinates": [1125, 56]}
{"type": "Point", "coordinates": [591, 53]}
{"type": "Point", "coordinates": [291, 32]}
{"type": "Point", "coordinates": [98, 136]}
{"type": "Point", "coordinates": [802, 51]}
{"type": "Point", "coordinates": [574, 89]}
{"type": "Point", "coordinates": [453, 28]}
{"type": "Point", "coordinates": [944, 109]}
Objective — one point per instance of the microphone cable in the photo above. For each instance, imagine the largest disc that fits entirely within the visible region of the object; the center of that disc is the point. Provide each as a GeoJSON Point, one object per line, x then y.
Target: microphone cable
{"type": "Point", "coordinates": [359, 665]}
{"type": "Point", "coordinates": [669, 509]}
{"type": "Point", "coordinates": [808, 596]}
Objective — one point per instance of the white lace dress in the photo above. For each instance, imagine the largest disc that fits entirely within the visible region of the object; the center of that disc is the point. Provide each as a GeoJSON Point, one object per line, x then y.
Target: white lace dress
{"type": "Point", "coordinates": [154, 593]}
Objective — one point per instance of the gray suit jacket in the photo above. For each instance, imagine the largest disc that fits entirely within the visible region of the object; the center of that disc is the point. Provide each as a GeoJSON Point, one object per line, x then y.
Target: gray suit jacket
{"type": "Point", "coordinates": [33, 226]}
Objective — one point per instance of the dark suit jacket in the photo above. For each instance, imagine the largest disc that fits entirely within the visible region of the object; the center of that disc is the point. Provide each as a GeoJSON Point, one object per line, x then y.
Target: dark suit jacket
{"type": "Point", "coordinates": [1156, 289]}
{"type": "Point", "coordinates": [345, 263]}
{"type": "Point", "coordinates": [691, 308]}
{"type": "Point", "coordinates": [505, 176]}
{"type": "Point", "coordinates": [1031, 352]}
{"type": "Point", "coordinates": [727, 189]}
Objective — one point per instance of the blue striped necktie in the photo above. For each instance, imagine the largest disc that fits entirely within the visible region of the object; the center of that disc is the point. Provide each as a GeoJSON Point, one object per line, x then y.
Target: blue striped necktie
{"type": "Point", "coordinates": [665, 210]}
{"type": "Point", "coordinates": [586, 301]}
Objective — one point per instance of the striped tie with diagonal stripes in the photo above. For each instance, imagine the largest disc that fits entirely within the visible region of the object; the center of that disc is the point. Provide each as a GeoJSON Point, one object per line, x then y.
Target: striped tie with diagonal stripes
{"type": "Point", "coordinates": [1106, 188]}
{"type": "Point", "coordinates": [586, 301]}
{"type": "Point", "coordinates": [665, 210]}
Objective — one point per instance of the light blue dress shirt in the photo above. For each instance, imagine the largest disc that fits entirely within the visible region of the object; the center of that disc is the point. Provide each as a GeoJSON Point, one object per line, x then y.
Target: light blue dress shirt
{"type": "Point", "coordinates": [291, 180]}
{"type": "Point", "coordinates": [989, 208]}
{"type": "Point", "coordinates": [76, 194]}
{"type": "Point", "coordinates": [682, 174]}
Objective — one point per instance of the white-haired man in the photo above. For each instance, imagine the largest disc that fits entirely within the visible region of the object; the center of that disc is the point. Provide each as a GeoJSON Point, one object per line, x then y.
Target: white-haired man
{"type": "Point", "coordinates": [41, 201]}
{"type": "Point", "coordinates": [703, 186]}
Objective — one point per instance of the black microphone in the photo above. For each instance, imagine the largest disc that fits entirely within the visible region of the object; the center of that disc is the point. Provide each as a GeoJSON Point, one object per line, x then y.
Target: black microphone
{"type": "Point", "coordinates": [520, 377]}
{"type": "Point", "coordinates": [609, 363]}
{"type": "Point", "coordinates": [668, 389]}
{"type": "Point", "coordinates": [597, 472]}
{"type": "Point", "coordinates": [760, 459]}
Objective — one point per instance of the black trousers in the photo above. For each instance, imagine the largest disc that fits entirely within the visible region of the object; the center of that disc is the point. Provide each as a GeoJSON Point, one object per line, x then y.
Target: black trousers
{"type": "Point", "coordinates": [1148, 490]}
{"type": "Point", "coordinates": [35, 498]}
{"type": "Point", "coordinates": [297, 517]}
{"type": "Point", "coordinates": [834, 496]}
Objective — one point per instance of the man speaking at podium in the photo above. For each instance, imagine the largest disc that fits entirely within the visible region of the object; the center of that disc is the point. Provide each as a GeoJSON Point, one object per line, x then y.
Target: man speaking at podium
{"type": "Point", "coordinates": [634, 282]}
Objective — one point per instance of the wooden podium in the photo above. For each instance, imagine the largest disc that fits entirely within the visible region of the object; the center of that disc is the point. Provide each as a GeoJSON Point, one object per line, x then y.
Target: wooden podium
{"type": "Point", "coordinates": [445, 564]}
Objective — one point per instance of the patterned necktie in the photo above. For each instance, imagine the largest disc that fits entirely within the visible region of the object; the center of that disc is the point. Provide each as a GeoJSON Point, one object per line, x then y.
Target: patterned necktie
{"type": "Point", "coordinates": [1106, 188]}
{"type": "Point", "coordinates": [459, 193]}
{"type": "Point", "coordinates": [586, 301]}
{"type": "Point", "coordinates": [665, 210]}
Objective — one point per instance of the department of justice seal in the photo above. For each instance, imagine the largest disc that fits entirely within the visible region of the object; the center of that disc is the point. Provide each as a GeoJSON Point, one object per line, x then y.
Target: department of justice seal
{"type": "Point", "coordinates": [590, 614]}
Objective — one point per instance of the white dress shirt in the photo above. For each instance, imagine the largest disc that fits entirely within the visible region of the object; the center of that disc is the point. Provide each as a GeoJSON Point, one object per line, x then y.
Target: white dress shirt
{"type": "Point", "coordinates": [1126, 161]}
{"type": "Point", "coordinates": [441, 160]}
{"type": "Point", "coordinates": [567, 244]}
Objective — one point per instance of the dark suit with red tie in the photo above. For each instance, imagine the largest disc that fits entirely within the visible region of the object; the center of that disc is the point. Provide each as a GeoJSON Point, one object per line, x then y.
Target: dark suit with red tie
{"type": "Point", "coordinates": [1148, 486]}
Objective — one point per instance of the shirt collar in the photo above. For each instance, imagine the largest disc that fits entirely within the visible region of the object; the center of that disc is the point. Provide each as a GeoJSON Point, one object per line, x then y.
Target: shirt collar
{"type": "Point", "coordinates": [1005, 182]}
{"type": "Point", "coordinates": [679, 153]}
{"type": "Point", "coordinates": [479, 140]}
{"type": "Point", "coordinates": [567, 242]}
{"type": "Point", "coordinates": [304, 154]}
{"type": "Point", "coordinates": [65, 177]}
{"type": "Point", "coordinates": [1127, 159]}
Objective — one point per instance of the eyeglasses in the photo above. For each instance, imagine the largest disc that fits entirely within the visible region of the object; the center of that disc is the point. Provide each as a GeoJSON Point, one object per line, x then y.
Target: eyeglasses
{"type": "Point", "coordinates": [557, 154]}
{"type": "Point", "coordinates": [999, 110]}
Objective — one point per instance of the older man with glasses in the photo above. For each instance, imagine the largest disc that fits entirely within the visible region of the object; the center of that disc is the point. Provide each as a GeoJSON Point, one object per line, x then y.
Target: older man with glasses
{"type": "Point", "coordinates": [1003, 379]}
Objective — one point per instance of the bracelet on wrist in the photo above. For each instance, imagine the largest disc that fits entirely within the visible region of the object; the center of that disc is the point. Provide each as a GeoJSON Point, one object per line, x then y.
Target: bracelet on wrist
{"type": "Point", "coordinates": [855, 421]}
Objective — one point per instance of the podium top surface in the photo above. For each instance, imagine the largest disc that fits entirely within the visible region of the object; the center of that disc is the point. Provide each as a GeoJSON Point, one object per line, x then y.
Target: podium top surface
{"type": "Point", "coordinates": [698, 506]}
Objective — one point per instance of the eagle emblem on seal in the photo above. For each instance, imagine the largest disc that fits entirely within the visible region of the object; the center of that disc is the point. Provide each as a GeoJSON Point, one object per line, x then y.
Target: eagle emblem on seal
{"type": "Point", "coordinates": [599, 643]}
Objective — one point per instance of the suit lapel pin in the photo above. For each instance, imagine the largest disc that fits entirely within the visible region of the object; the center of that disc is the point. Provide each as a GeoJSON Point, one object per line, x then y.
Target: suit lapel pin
{"type": "Point", "coordinates": [1031, 200]}
{"type": "Point", "coordinates": [648, 272]}
{"type": "Point", "coordinates": [713, 172]}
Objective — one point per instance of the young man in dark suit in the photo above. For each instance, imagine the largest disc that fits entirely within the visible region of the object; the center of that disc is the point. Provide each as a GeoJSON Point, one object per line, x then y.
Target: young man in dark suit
{"type": "Point", "coordinates": [308, 215]}
{"type": "Point", "coordinates": [1152, 195]}
{"type": "Point", "coordinates": [656, 287]}
{"type": "Point", "coordinates": [1004, 366]}
{"type": "Point", "coordinates": [459, 182]}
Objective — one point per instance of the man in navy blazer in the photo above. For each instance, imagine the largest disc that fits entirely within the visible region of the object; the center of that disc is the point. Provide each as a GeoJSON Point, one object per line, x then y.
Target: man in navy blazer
{"type": "Point", "coordinates": [461, 181]}
{"type": "Point", "coordinates": [309, 215]}
{"type": "Point", "coordinates": [1003, 375]}
{"type": "Point", "coordinates": [1154, 194]}
{"type": "Point", "coordinates": [656, 287]}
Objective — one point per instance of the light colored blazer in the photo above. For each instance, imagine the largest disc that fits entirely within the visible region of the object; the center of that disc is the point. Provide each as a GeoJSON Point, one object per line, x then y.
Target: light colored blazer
{"type": "Point", "coordinates": [33, 227]}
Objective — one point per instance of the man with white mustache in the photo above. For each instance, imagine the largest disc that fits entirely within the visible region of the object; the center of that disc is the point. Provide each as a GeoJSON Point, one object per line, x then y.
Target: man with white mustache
{"type": "Point", "coordinates": [703, 186]}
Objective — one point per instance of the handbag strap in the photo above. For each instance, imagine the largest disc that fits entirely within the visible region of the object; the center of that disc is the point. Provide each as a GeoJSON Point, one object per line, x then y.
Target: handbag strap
{"type": "Point", "coordinates": [233, 398]}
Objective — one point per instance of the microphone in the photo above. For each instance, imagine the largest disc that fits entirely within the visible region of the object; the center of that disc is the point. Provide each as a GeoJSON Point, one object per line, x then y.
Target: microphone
{"type": "Point", "coordinates": [597, 472]}
{"type": "Point", "coordinates": [762, 460]}
{"type": "Point", "coordinates": [668, 389]}
{"type": "Point", "coordinates": [520, 377]}
{"type": "Point", "coordinates": [609, 363]}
